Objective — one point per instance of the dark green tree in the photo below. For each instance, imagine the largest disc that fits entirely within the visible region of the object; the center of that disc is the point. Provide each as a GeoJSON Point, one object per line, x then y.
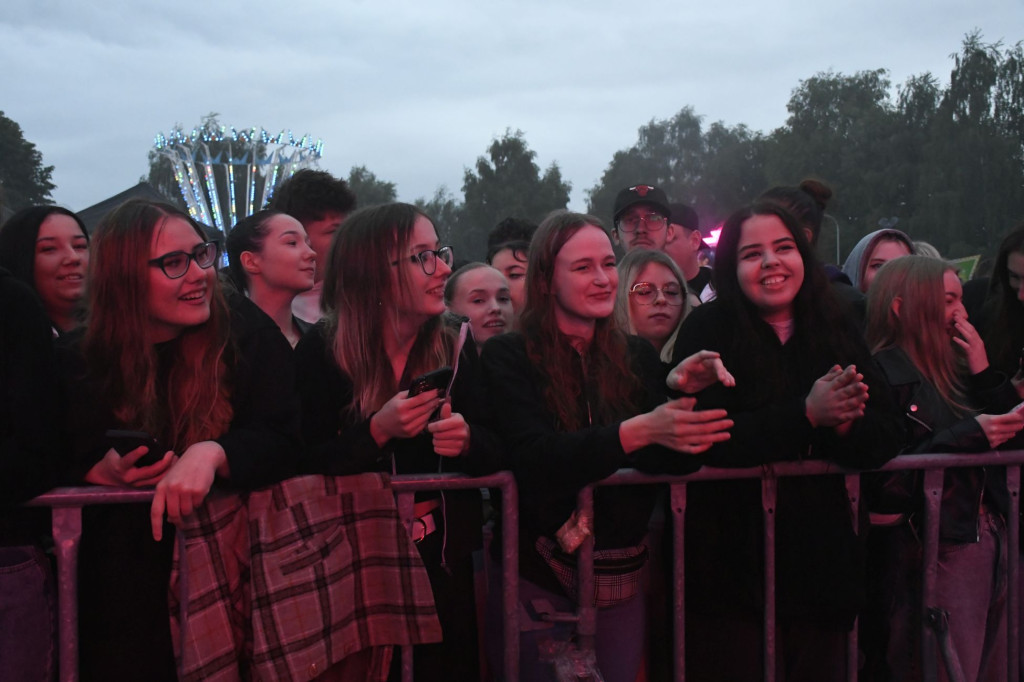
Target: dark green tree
{"type": "Point", "coordinates": [971, 181]}
{"type": "Point", "coordinates": [507, 182]}
{"type": "Point", "coordinates": [842, 129]}
{"type": "Point", "coordinates": [446, 212]}
{"type": "Point", "coordinates": [368, 189]}
{"type": "Point", "coordinates": [24, 180]}
{"type": "Point", "coordinates": [714, 171]}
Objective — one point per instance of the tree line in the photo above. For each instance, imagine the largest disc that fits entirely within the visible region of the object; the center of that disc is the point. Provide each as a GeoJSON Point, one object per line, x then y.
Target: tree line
{"type": "Point", "coordinates": [943, 163]}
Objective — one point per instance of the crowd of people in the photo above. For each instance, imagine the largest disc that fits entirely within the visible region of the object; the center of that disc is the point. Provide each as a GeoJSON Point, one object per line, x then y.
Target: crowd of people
{"type": "Point", "coordinates": [269, 402]}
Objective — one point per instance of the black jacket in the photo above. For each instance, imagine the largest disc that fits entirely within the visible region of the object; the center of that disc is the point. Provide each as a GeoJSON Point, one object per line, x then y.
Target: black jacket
{"type": "Point", "coordinates": [933, 427]}
{"type": "Point", "coordinates": [819, 558]}
{"type": "Point", "coordinates": [552, 465]}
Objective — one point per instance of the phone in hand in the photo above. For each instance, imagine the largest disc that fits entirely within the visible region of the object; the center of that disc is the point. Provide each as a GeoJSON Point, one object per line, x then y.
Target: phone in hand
{"type": "Point", "coordinates": [124, 442]}
{"type": "Point", "coordinates": [438, 379]}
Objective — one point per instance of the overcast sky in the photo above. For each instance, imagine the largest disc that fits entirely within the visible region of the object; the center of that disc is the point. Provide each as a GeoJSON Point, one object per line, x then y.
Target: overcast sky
{"type": "Point", "coordinates": [416, 91]}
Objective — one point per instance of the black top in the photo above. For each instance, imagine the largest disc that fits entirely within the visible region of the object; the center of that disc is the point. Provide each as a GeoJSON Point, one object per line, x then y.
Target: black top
{"type": "Point", "coordinates": [701, 280]}
{"type": "Point", "coordinates": [552, 465]}
{"type": "Point", "coordinates": [123, 574]}
{"type": "Point", "coordinates": [339, 442]}
{"type": "Point", "coordinates": [263, 440]}
{"type": "Point", "coordinates": [29, 410]}
{"type": "Point", "coordinates": [819, 563]}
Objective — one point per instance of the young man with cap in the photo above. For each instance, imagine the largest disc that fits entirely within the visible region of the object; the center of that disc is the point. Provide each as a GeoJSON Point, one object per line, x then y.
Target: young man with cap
{"type": "Point", "coordinates": [641, 218]}
{"type": "Point", "coordinates": [684, 248]}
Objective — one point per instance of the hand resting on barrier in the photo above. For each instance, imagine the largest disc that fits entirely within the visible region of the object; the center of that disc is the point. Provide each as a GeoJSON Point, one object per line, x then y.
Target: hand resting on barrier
{"type": "Point", "coordinates": [116, 470]}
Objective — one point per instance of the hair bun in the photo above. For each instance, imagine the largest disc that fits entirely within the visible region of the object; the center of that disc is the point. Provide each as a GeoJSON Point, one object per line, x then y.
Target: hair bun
{"type": "Point", "coordinates": [819, 191]}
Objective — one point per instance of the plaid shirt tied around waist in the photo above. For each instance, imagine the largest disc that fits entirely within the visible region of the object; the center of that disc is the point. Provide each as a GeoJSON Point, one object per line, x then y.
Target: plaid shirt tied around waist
{"type": "Point", "coordinates": [282, 583]}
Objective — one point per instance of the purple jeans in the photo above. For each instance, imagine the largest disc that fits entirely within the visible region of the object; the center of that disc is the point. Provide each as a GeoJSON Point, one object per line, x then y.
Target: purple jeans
{"type": "Point", "coordinates": [27, 620]}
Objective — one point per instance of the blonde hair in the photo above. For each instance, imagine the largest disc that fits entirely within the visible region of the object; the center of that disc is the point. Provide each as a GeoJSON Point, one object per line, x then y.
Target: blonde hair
{"type": "Point", "coordinates": [629, 269]}
{"type": "Point", "coordinates": [920, 327]}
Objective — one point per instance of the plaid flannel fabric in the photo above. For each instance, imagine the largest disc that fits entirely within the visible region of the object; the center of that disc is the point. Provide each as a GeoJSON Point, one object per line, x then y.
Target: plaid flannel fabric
{"type": "Point", "coordinates": [297, 577]}
{"type": "Point", "coordinates": [617, 572]}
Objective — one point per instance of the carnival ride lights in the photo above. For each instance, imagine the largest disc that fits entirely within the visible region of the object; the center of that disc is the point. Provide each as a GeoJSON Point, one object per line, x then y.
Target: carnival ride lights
{"type": "Point", "coordinates": [283, 155]}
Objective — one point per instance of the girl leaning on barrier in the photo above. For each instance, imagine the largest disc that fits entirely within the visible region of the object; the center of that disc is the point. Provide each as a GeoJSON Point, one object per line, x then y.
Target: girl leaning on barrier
{"type": "Point", "coordinates": [383, 302]}
{"type": "Point", "coordinates": [802, 376]}
{"type": "Point", "coordinates": [167, 385]}
{"type": "Point", "coordinates": [953, 401]}
{"type": "Point", "coordinates": [575, 400]}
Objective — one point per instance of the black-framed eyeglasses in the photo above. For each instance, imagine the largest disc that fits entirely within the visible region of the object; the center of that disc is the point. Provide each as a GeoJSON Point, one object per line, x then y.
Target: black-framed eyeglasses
{"type": "Point", "coordinates": [652, 222]}
{"type": "Point", "coordinates": [175, 264]}
{"type": "Point", "coordinates": [646, 293]}
{"type": "Point", "coordinates": [428, 259]}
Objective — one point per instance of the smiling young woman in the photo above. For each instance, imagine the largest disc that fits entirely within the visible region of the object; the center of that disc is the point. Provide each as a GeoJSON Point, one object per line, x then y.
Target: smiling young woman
{"type": "Point", "coordinates": [802, 376]}
{"type": "Point", "coordinates": [383, 298]}
{"type": "Point", "coordinates": [47, 247]}
{"type": "Point", "coordinates": [163, 353]}
{"type": "Point", "coordinates": [576, 399]}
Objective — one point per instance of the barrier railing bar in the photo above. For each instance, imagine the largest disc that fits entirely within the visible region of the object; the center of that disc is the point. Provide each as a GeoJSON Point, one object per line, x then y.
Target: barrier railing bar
{"type": "Point", "coordinates": [1012, 566]}
{"type": "Point", "coordinates": [67, 503]}
{"type": "Point", "coordinates": [852, 482]}
{"type": "Point", "coordinates": [677, 500]}
{"type": "Point", "coordinates": [407, 484]}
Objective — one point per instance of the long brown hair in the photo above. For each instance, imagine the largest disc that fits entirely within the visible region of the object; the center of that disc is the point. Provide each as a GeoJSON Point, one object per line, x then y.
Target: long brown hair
{"type": "Point", "coordinates": [358, 303]}
{"type": "Point", "coordinates": [188, 401]}
{"type": "Point", "coordinates": [605, 361]}
{"type": "Point", "coordinates": [919, 329]}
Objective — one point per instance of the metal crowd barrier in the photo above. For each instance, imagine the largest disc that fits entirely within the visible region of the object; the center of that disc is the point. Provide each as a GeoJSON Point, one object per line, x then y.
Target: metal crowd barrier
{"type": "Point", "coordinates": [933, 465]}
{"type": "Point", "coordinates": [67, 527]}
{"type": "Point", "coordinates": [67, 503]}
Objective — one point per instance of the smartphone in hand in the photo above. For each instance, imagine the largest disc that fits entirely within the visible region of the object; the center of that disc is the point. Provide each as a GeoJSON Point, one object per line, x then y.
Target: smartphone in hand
{"type": "Point", "coordinates": [438, 379]}
{"type": "Point", "coordinates": [124, 442]}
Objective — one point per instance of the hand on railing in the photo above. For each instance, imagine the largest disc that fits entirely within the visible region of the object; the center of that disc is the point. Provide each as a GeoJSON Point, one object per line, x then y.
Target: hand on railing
{"type": "Point", "coordinates": [116, 470]}
{"type": "Point", "coordinates": [699, 371]}
{"type": "Point", "coordinates": [185, 486]}
{"type": "Point", "coordinates": [1000, 428]}
{"type": "Point", "coordinates": [837, 398]}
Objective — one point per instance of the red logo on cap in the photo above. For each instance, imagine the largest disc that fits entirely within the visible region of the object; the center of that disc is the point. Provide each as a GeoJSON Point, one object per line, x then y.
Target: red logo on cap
{"type": "Point", "coordinates": [642, 190]}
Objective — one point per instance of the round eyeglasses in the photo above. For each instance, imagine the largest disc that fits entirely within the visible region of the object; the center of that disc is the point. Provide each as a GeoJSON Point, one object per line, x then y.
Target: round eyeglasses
{"type": "Point", "coordinates": [646, 293]}
{"type": "Point", "coordinates": [428, 259]}
{"type": "Point", "coordinates": [175, 264]}
{"type": "Point", "coordinates": [652, 222]}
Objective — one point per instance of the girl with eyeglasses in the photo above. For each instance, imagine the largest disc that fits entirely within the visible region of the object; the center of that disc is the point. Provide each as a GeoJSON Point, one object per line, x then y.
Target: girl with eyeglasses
{"type": "Point", "coordinates": [271, 262]}
{"type": "Point", "coordinates": [803, 375]}
{"type": "Point", "coordinates": [383, 299]}
{"type": "Point", "coordinates": [576, 399]}
{"type": "Point", "coordinates": [163, 356]}
{"type": "Point", "coordinates": [652, 299]}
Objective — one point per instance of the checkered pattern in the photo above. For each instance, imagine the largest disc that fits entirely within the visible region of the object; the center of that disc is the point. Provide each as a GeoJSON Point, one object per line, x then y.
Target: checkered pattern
{"type": "Point", "coordinates": [284, 582]}
{"type": "Point", "coordinates": [617, 572]}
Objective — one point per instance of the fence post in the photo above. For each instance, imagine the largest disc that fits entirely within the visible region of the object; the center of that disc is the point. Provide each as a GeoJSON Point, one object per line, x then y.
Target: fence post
{"type": "Point", "coordinates": [852, 653]}
{"type": "Point", "coordinates": [933, 479]}
{"type": "Point", "coordinates": [677, 492]}
{"type": "Point", "coordinates": [510, 574]}
{"type": "Point", "coordinates": [67, 536]}
{"type": "Point", "coordinates": [586, 627]}
{"type": "Point", "coordinates": [769, 497]}
{"type": "Point", "coordinates": [1012, 567]}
